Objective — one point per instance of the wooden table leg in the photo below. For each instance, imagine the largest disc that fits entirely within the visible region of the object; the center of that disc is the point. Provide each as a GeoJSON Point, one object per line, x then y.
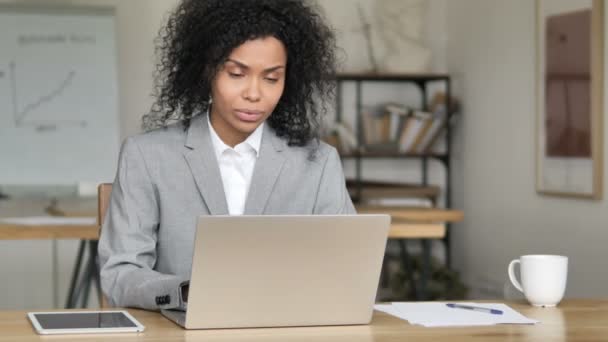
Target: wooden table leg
{"type": "Point", "coordinates": [71, 300]}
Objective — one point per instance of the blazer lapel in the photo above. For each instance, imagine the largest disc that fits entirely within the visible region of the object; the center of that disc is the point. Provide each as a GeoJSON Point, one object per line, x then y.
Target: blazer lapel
{"type": "Point", "coordinates": [267, 169]}
{"type": "Point", "coordinates": [201, 159]}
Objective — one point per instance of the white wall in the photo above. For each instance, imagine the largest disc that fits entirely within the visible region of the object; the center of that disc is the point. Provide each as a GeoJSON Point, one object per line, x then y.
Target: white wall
{"type": "Point", "coordinates": [137, 25]}
{"type": "Point", "coordinates": [422, 20]}
{"type": "Point", "coordinates": [491, 56]}
{"type": "Point", "coordinates": [27, 266]}
{"type": "Point", "coordinates": [490, 53]}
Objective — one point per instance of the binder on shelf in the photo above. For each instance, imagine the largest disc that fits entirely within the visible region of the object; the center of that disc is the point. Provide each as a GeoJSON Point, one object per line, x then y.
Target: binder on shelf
{"type": "Point", "coordinates": [385, 128]}
{"type": "Point", "coordinates": [370, 127]}
{"type": "Point", "coordinates": [427, 119]}
{"type": "Point", "coordinates": [415, 127]}
{"type": "Point", "coordinates": [433, 131]}
{"type": "Point", "coordinates": [439, 107]}
{"type": "Point", "coordinates": [398, 114]}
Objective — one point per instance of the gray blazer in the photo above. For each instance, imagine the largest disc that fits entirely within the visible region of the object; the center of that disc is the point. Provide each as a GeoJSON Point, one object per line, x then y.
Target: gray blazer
{"type": "Point", "coordinates": [168, 177]}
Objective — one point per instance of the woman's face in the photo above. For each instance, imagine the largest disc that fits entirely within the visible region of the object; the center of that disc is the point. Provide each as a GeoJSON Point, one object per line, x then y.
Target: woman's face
{"type": "Point", "coordinates": [247, 88]}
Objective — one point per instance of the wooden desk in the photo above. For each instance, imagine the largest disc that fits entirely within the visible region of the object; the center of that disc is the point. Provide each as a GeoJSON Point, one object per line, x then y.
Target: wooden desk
{"type": "Point", "coordinates": [91, 232]}
{"type": "Point", "coordinates": [48, 232]}
{"type": "Point", "coordinates": [407, 224]}
{"type": "Point", "coordinates": [420, 215]}
{"type": "Point", "coordinates": [416, 223]}
{"type": "Point", "coordinates": [82, 277]}
{"type": "Point", "coordinates": [81, 207]}
{"type": "Point", "coordinates": [84, 271]}
{"type": "Point", "coordinates": [573, 320]}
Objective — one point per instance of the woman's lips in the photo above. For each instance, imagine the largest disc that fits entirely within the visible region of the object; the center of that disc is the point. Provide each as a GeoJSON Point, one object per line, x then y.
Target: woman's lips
{"type": "Point", "coordinates": [249, 116]}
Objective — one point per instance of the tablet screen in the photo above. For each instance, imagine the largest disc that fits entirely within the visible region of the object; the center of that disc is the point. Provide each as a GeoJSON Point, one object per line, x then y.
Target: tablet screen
{"type": "Point", "coordinates": [84, 320]}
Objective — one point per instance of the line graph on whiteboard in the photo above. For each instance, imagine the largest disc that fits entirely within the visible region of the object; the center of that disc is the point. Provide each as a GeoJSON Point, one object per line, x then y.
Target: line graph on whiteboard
{"type": "Point", "coordinates": [32, 113]}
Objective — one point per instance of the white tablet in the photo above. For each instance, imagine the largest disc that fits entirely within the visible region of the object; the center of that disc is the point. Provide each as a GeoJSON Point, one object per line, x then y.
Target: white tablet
{"type": "Point", "coordinates": [84, 322]}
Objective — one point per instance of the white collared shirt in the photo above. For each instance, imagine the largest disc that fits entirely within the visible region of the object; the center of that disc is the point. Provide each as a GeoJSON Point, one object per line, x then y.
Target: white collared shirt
{"type": "Point", "coordinates": [236, 166]}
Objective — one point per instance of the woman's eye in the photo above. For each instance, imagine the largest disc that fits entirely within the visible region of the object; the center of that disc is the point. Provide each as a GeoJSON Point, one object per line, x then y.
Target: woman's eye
{"type": "Point", "coordinates": [235, 75]}
{"type": "Point", "coordinates": [272, 80]}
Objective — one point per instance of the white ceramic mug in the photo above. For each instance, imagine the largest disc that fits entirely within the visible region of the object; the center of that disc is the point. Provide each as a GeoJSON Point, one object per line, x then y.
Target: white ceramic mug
{"type": "Point", "coordinates": [543, 278]}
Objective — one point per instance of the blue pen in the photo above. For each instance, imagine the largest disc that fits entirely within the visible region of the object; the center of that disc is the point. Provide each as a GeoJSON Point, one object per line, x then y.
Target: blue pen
{"type": "Point", "coordinates": [474, 308]}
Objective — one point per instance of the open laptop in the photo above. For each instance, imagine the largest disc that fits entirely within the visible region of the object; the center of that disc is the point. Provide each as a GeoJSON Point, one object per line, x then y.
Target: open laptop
{"type": "Point", "coordinates": [271, 271]}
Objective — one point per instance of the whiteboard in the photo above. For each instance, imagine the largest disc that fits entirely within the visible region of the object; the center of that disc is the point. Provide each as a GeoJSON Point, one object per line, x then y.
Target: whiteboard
{"type": "Point", "coordinates": [58, 95]}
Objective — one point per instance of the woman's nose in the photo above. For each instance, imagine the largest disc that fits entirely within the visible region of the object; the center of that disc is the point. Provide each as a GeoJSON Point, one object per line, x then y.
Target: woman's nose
{"type": "Point", "coordinates": [252, 92]}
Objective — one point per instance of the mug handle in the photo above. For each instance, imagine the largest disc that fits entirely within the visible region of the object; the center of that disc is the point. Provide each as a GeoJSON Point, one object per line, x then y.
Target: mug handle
{"type": "Point", "coordinates": [512, 275]}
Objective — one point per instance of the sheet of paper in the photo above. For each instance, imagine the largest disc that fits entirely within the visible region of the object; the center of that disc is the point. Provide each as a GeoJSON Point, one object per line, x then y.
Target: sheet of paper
{"type": "Point", "coordinates": [49, 220]}
{"type": "Point", "coordinates": [387, 308]}
{"type": "Point", "coordinates": [438, 314]}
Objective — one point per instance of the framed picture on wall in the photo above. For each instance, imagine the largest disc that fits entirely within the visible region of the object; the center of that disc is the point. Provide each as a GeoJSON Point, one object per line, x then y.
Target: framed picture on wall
{"type": "Point", "coordinates": [569, 93]}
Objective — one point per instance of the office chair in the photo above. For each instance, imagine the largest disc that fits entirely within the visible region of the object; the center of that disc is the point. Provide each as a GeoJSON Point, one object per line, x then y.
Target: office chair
{"type": "Point", "coordinates": [86, 275]}
{"type": "Point", "coordinates": [103, 200]}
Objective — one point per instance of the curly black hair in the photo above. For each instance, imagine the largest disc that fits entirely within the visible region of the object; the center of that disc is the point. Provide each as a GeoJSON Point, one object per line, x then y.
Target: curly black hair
{"type": "Point", "coordinates": [200, 35]}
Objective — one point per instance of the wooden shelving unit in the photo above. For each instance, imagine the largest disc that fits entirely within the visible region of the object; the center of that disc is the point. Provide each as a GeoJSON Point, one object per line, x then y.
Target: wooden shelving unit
{"type": "Point", "coordinates": [419, 223]}
{"type": "Point", "coordinates": [360, 188]}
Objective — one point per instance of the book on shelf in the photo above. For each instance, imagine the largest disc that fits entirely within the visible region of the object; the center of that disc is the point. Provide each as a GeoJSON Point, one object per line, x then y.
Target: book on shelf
{"type": "Point", "coordinates": [396, 108]}
{"type": "Point", "coordinates": [398, 114]}
{"type": "Point", "coordinates": [333, 140]}
{"type": "Point", "coordinates": [385, 128]}
{"type": "Point", "coordinates": [431, 134]}
{"type": "Point", "coordinates": [370, 128]}
{"type": "Point", "coordinates": [414, 130]}
{"type": "Point", "coordinates": [438, 107]}
{"type": "Point", "coordinates": [395, 128]}
{"type": "Point", "coordinates": [381, 124]}
{"type": "Point", "coordinates": [342, 137]}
